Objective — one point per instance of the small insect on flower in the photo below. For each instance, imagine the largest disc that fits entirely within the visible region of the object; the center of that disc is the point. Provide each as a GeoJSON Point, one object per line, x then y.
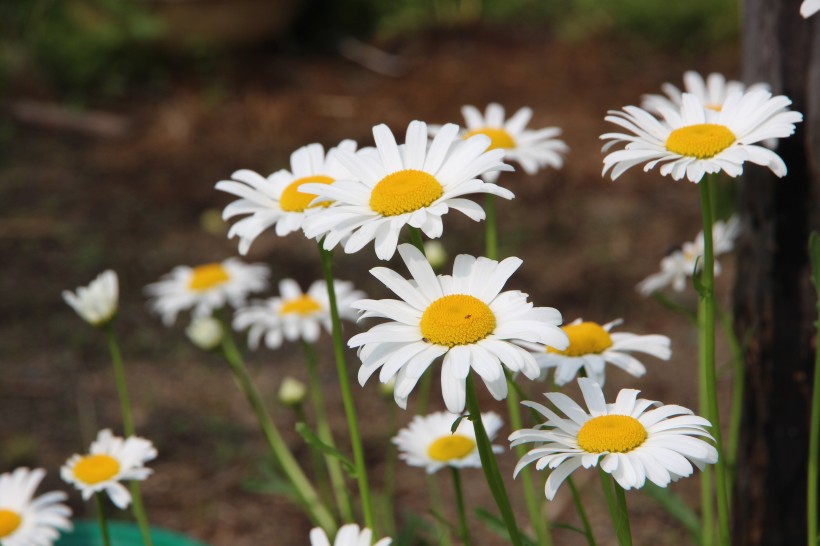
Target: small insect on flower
{"type": "Point", "coordinates": [623, 439]}
{"type": "Point", "coordinates": [110, 461]}
{"type": "Point", "coordinates": [348, 535]}
{"type": "Point", "coordinates": [96, 303]}
{"type": "Point", "coordinates": [26, 521]}
{"type": "Point", "coordinates": [205, 288]}
{"type": "Point", "coordinates": [429, 441]}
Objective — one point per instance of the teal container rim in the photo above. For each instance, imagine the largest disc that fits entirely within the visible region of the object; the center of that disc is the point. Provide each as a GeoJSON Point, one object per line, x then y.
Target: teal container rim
{"type": "Point", "coordinates": [123, 533]}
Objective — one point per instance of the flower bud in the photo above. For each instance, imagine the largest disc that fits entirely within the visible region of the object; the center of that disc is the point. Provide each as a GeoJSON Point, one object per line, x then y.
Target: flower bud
{"type": "Point", "coordinates": [292, 392]}
{"type": "Point", "coordinates": [436, 254]}
{"type": "Point", "coordinates": [205, 332]}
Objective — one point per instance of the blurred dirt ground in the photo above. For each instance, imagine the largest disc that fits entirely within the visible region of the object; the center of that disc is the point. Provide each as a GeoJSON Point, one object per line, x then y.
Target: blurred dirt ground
{"type": "Point", "coordinates": [72, 205]}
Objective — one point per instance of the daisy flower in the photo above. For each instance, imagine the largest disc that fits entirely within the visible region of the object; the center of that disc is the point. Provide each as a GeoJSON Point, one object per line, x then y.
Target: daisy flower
{"type": "Point", "coordinates": [809, 8]}
{"type": "Point", "coordinates": [533, 150]}
{"type": "Point", "coordinates": [626, 439]}
{"type": "Point", "coordinates": [429, 442]}
{"type": "Point", "coordinates": [277, 200]}
{"type": "Point", "coordinates": [110, 461]}
{"type": "Point", "coordinates": [680, 264]}
{"type": "Point", "coordinates": [686, 143]}
{"type": "Point", "coordinates": [295, 315]}
{"type": "Point", "coordinates": [414, 184]}
{"type": "Point", "coordinates": [205, 288]}
{"type": "Point", "coordinates": [30, 522]}
{"type": "Point", "coordinates": [592, 346]}
{"type": "Point", "coordinates": [712, 92]}
{"type": "Point", "coordinates": [465, 318]}
{"type": "Point", "coordinates": [96, 303]}
{"type": "Point", "coordinates": [348, 535]}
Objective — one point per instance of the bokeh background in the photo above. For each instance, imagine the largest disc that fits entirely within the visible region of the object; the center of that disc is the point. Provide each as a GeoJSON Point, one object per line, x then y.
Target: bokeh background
{"type": "Point", "coordinates": [119, 116]}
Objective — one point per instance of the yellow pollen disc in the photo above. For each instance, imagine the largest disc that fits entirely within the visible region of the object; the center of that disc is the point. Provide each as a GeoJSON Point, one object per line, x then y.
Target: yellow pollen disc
{"type": "Point", "coordinates": [612, 433]}
{"type": "Point", "coordinates": [457, 320]}
{"type": "Point", "coordinates": [404, 191]}
{"type": "Point", "coordinates": [93, 469]}
{"type": "Point", "coordinates": [292, 200]}
{"type": "Point", "coordinates": [303, 305]}
{"type": "Point", "coordinates": [207, 276]}
{"type": "Point", "coordinates": [448, 448]}
{"type": "Point", "coordinates": [702, 141]}
{"type": "Point", "coordinates": [499, 138]}
{"type": "Point", "coordinates": [584, 339]}
{"type": "Point", "coordinates": [9, 522]}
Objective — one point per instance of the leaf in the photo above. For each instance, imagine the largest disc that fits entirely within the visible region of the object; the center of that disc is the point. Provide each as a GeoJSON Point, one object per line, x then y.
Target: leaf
{"type": "Point", "coordinates": [316, 443]}
{"type": "Point", "coordinates": [568, 527]}
{"type": "Point", "coordinates": [676, 508]}
{"type": "Point", "coordinates": [442, 520]}
{"type": "Point", "coordinates": [675, 307]}
{"type": "Point", "coordinates": [270, 481]}
{"type": "Point", "coordinates": [696, 273]}
{"type": "Point", "coordinates": [497, 526]}
{"type": "Point", "coordinates": [457, 422]}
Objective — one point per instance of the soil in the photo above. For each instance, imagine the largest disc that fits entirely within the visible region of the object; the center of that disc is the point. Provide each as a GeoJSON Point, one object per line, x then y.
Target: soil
{"type": "Point", "coordinates": [142, 203]}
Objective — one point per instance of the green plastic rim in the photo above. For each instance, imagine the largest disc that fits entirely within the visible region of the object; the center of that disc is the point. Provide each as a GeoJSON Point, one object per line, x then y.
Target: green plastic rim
{"type": "Point", "coordinates": [87, 533]}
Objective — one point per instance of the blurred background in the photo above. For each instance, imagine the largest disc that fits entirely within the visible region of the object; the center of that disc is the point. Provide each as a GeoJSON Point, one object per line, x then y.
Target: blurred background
{"type": "Point", "coordinates": [117, 118]}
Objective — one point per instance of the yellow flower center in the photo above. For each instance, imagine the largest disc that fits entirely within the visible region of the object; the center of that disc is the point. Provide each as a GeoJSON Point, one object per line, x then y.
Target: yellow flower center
{"type": "Point", "coordinates": [457, 320]}
{"type": "Point", "coordinates": [449, 448]}
{"type": "Point", "coordinates": [702, 141]}
{"type": "Point", "coordinates": [303, 305]}
{"type": "Point", "coordinates": [207, 276]}
{"type": "Point", "coordinates": [404, 191]}
{"type": "Point", "coordinates": [293, 200]}
{"type": "Point", "coordinates": [9, 522]}
{"type": "Point", "coordinates": [585, 338]}
{"type": "Point", "coordinates": [499, 138]}
{"type": "Point", "coordinates": [612, 433]}
{"type": "Point", "coordinates": [93, 469]}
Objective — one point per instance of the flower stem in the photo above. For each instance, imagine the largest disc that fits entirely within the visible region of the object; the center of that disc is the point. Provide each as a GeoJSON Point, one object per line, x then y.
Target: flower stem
{"type": "Point", "coordinates": [415, 238]}
{"type": "Point", "coordinates": [616, 502]}
{"type": "Point", "coordinates": [738, 390]}
{"type": "Point", "coordinates": [491, 241]}
{"type": "Point", "coordinates": [137, 505]}
{"type": "Point", "coordinates": [489, 464]}
{"type": "Point", "coordinates": [106, 539]}
{"type": "Point", "coordinates": [582, 513]}
{"type": "Point", "coordinates": [814, 430]}
{"type": "Point", "coordinates": [334, 467]}
{"type": "Point", "coordinates": [347, 395]}
{"type": "Point", "coordinates": [437, 505]}
{"type": "Point", "coordinates": [464, 530]}
{"type": "Point", "coordinates": [534, 502]}
{"type": "Point", "coordinates": [304, 490]}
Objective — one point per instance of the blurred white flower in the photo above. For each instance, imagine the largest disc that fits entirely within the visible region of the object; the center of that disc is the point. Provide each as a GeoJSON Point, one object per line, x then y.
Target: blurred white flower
{"type": "Point", "coordinates": [96, 303]}
{"type": "Point", "coordinates": [25, 521]}
{"type": "Point", "coordinates": [809, 8]}
{"type": "Point", "coordinates": [205, 332]}
{"type": "Point", "coordinates": [348, 535]}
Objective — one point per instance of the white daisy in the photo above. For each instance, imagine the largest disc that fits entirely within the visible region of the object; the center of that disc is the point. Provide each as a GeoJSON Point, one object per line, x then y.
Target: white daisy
{"type": "Point", "coordinates": [533, 150]}
{"type": "Point", "coordinates": [414, 184]}
{"type": "Point", "coordinates": [110, 461]}
{"type": "Point", "coordinates": [592, 346]}
{"type": "Point", "coordinates": [206, 288]}
{"type": "Point", "coordinates": [465, 318]}
{"type": "Point", "coordinates": [348, 535]}
{"type": "Point", "coordinates": [294, 314]}
{"type": "Point", "coordinates": [429, 442]}
{"type": "Point", "coordinates": [686, 143]}
{"type": "Point", "coordinates": [96, 303]}
{"type": "Point", "coordinates": [30, 522]}
{"type": "Point", "coordinates": [712, 92]}
{"type": "Point", "coordinates": [277, 200]}
{"type": "Point", "coordinates": [809, 8]}
{"type": "Point", "coordinates": [624, 439]}
{"type": "Point", "coordinates": [680, 264]}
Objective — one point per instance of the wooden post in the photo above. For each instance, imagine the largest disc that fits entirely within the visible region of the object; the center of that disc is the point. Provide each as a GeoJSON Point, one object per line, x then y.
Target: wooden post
{"type": "Point", "coordinates": [773, 296]}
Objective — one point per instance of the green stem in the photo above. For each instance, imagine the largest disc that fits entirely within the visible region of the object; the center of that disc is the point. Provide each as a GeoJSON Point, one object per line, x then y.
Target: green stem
{"type": "Point", "coordinates": [582, 513]}
{"type": "Point", "coordinates": [415, 238]}
{"type": "Point", "coordinates": [137, 505]}
{"type": "Point", "coordinates": [534, 502]}
{"type": "Point", "coordinates": [738, 390]}
{"type": "Point", "coordinates": [491, 228]}
{"type": "Point", "coordinates": [489, 464]}
{"type": "Point", "coordinates": [437, 504]}
{"type": "Point", "coordinates": [706, 322]}
{"type": "Point", "coordinates": [106, 539]}
{"type": "Point", "coordinates": [814, 430]}
{"type": "Point", "coordinates": [464, 529]}
{"type": "Point", "coordinates": [316, 461]}
{"type": "Point", "coordinates": [616, 502]}
{"type": "Point", "coordinates": [347, 395]}
{"type": "Point", "coordinates": [334, 467]}
{"type": "Point", "coordinates": [304, 490]}
{"type": "Point", "coordinates": [390, 469]}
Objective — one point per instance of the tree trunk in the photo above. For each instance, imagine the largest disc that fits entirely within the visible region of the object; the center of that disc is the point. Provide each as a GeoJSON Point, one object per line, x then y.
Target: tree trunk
{"type": "Point", "coordinates": [774, 298]}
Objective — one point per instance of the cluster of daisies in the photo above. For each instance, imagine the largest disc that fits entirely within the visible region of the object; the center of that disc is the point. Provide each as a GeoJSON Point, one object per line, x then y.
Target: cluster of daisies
{"type": "Point", "coordinates": [350, 196]}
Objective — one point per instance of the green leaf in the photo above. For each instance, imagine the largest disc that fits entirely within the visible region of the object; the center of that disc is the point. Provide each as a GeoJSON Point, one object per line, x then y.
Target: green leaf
{"type": "Point", "coordinates": [568, 527]}
{"type": "Point", "coordinates": [497, 526]}
{"type": "Point", "coordinates": [676, 508]}
{"type": "Point", "coordinates": [457, 422]}
{"type": "Point", "coordinates": [270, 481]}
{"type": "Point", "coordinates": [696, 279]}
{"type": "Point", "coordinates": [442, 520]}
{"type": "Point", "coordinates": [316, 443]}
{"type": "Point", "coordinates": [675, 307]}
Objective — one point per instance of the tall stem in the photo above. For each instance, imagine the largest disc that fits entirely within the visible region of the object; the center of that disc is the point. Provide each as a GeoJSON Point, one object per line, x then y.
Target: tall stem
{"type": "Point", "coordinates": [616, 502]}
{"type": "Point", "coordinates": [137, 505]}
{"type": "Point", "coordinates": [415, 238]}
{"type": "Point", "coordinates": [582, 513]}
{"type": "Point", "coordinates": [304, 490]}
{"type": "Point", "coordinates": [738, 390]}
{"type": "Point", "coordinates": [334, 467]}
{"type": "Point", "coordinates": [106, 539]}
{"type": "Point", "coordinates": [706, 322]}
{"type": "Point", "coordinates": [464, 529]}
{"type": "Point", "coordinates": [490, 465]}
{"type": "Point", "coordinates": [347, 395]}
{"type": "Point", "coordinates": [814, 430]}
{"type": "Point", "coordinates": [491, 228]}
{"type": "Point", "coordinates": [443, 538]}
